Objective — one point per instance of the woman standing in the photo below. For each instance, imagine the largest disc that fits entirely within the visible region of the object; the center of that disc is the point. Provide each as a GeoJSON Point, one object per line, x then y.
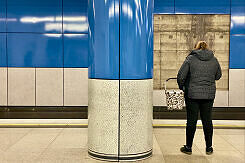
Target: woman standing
{"type": "Point", "coordinates": [196, 78]}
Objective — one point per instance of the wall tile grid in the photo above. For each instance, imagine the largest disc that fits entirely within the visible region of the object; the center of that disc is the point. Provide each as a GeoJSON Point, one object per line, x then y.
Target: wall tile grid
{"type": "Point", "coordinates": [32, 42]}
{"type": "Point", "coordinates": [3, 56]}
{"type": "Point", "coordinates": [46, 47]}
{"type": "Point", "coordinates": [21, 86]}
{"type": "Point", "coordinates": [37, 50]}
{"type": "Point", "coordinates": [202, 7]}
{"type": "Point", "coordinates": [75, 16]}
{"type": "Point", "coordinates": [36, 17]}
{"type": "Point", "coordinates": [237, 57]}
{"type": "Point", "coordinates": [3, 16]}
{"type": "Point", "coordinates": [35, 33]}
{"type": "Point", "coordinates": [237, 17]}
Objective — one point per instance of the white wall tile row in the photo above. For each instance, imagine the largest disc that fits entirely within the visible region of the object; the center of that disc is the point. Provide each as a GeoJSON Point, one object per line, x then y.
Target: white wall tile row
{"type": "Point", "coordinates": [49, 87]}
{"type": "Point", "coordinates": [55, 87]}
{"type": "Point", "coordinates": [43, 87]}
{"type": "Point", "coordinates": [237, 87]}
{"type": "Point", "coordinates": [3, 86]}
{"type": "Point", "coordinates": [221, 99]}
{"type": "Point", "coordinates": [21, 86]}
{"type": "Point", "coordinates": [76, 87]}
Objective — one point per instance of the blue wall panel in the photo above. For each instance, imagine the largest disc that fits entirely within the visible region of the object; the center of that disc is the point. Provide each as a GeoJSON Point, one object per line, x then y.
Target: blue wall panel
{"type": "Point", "coordinates": [103, 39]}
{"type": "Point", "coordinates": [136, 39]}
{"type": "Point", "coordinates": [238, 17]}
{"type": "Point", "coordinates": [3, 58]}
{"type": "Point", "coordinates": [76, 50]}
{"type": "Point", "coordinates": [2, 15]}
{"type": "Point", "coordinates": [202, 6]}
{"type": "Point", "coordinates": [75, 16]}
{"type": "Point", "coordinates": [34, 16]}
{"type": "Point", "coordinates": [35, 50]}
{"type": "Point", "coordinates": [237, 52]}
{"type": "Point", "coordinates": [163, 6]}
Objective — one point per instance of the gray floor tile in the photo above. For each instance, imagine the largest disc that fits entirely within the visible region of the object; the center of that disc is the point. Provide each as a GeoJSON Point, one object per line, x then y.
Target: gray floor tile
{"type": "Point", "coordinates": [10, 137]}
{"type": "Point", "coordinates": [71, 138]}
{"type": "Point", "coordinates": [229, 131]}
{"type": "Point", "coordinates": [69, 145]}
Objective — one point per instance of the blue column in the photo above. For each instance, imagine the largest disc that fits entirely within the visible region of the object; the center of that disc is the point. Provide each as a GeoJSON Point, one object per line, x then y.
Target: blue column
{"type": "Point", "coordinates": [120, 79]}
{"type": "Point", "coordinates": [103, 31]}
{"type": "Point", "coordinates": [136, 39]}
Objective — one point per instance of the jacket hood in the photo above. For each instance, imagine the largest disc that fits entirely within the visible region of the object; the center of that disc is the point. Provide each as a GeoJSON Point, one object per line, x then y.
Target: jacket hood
{"type": "Point", "coordinates": [203, 55]}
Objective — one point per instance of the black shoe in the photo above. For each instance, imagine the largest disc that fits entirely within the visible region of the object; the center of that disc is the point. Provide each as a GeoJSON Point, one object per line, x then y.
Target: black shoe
{"type": "Point", "coordinates": [209, 150]}
{"type": "Point", "coordinates": [185, 149]}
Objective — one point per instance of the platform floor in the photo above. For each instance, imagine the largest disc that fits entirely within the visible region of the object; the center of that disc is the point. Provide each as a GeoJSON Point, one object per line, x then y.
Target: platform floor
{"type": "Point", "coordinates": [69, 145]}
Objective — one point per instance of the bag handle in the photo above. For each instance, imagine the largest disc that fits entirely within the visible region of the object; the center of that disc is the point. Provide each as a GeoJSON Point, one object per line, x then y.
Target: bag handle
{"type": "Point", "coordinates": [165, 86]}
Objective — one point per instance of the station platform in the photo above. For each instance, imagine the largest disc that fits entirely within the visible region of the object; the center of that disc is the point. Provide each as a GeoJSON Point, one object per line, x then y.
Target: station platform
{"type": "Point", "coordinates": [69, 144]}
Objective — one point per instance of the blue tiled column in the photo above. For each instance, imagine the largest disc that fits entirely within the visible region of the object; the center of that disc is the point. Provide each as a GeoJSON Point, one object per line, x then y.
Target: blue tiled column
{"type": "Point", "coordinates": [120, 79]}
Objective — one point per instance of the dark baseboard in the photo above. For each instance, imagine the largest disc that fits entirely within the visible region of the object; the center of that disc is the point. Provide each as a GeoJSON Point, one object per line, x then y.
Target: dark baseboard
{"type": "Point", "coordinates": [43, 112]}
{"type": "Point", "coordinates": [81, 112]}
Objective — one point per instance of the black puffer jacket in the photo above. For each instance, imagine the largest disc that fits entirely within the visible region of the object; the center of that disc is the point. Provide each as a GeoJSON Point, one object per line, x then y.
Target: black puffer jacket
{"type": "Point", "coordinates": [198, 73]}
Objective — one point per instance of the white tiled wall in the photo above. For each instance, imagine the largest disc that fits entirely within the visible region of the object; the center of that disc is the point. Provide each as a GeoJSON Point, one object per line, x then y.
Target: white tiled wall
{"type": "Point", "coordinates": [49, 87]}
{"type": "Point", "coordinates": [221, 99]}
{"type": "Point", "coordinates": [237, 88]}
{"type": "Point", "coordinates": [159, 98]}
{"type": "Point", "coordinates": [76, 87]}
{"type": "Point", "coordinates": [3, 86]}
{"type": "Point", "coordinates": [21, 86]}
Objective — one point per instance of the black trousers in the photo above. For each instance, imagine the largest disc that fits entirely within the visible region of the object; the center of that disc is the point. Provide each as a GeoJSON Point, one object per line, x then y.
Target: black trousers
{"type": "Point", "coordinates": [193, 106]}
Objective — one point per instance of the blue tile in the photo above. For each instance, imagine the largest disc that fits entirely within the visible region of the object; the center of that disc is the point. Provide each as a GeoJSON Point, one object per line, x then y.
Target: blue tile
{"type": "Point", "coordinates": [75, 16]}
{"type": "Point", "coordinates": [103, 39]}
{"type": "Point", "coordinates": [34, 16]}
{"type": "Point", "coordinates": [163, 6]}
{"type": "Point", "coordinates": [136, 39]}
{"type": "Point", "coordinates": [202, 6]}
{"type": "Point", "coordinates": [3, 16]}
{"type": "Point", "coordinates": [76, 50]}
{"type": "Point", "coordinates": [238, 17]}
{"type": "Point", "coordinates": [35, 50]}
{"type": "Point", "coordinates": [3, 58]}
{"type": "Point", "coordinates": [237, 52]}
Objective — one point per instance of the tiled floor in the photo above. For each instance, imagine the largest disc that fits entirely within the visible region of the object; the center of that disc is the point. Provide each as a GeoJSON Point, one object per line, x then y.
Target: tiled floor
{"type": "Point", "coordinates": [55, 145]}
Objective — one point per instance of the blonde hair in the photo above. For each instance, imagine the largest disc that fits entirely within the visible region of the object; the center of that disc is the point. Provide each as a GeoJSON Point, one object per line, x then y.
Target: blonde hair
{"type": "Point", "coordinates": [201, 45]}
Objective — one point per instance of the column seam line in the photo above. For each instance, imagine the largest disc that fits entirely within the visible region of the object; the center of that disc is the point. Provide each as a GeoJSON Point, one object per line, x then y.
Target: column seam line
{"type": "Point", "coordinates": [6, 39]}
{"type": "Point", "coordinates": [119, 123]}
{"type": "Point", "coordinates": [63, 53]}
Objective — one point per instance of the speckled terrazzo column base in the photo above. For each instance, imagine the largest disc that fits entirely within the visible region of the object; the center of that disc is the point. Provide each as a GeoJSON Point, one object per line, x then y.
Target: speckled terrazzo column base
{"type": "Point", "coordinates": [136, 116]}
{"type": "Point", "coordinates": [127, 128]}
{"type": "Point", "coordinates": [103, 111]}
